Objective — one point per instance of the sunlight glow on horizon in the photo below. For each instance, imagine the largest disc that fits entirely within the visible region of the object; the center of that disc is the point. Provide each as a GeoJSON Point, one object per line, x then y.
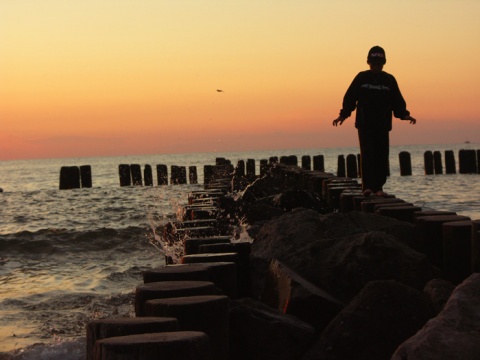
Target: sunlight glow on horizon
{"type": "Point", "coordinates": [89, 78]}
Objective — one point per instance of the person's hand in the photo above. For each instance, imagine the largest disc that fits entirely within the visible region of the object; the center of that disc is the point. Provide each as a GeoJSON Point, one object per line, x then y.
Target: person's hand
{"type": "Point", "coordinates": [338, 120]}
{"type": "Point", "coordinates": [413, 121]}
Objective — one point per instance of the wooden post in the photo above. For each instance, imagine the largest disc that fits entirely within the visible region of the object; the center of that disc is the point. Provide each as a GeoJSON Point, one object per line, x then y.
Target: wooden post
{"type": "Point", "coordinates": [478, 161]}
{"type": "Point", "coordinates": [251, 168]}
{"type": "Point", "coordinates": [208, 171]}
{"type": "Point", "coordinates": [352, 166]}
{"type": "Point", "coordinates": [162, 174]}
{"type": "Point", "coordinates": [306, 162]}
{"type": "Point", "coordinates": [240, 169]}
{"type": "Point", "coordinates": [318, 163]}
{"type": "Point", "coordinates": [284, 159]}
{"type": "Point", "coordinates": [467, 161]}
{"type": "Point", "coordinates": [178, 175]}
{"type": "Point", "coordinates": [457, 250]}
{"type": "Point", "coordinates": [450, 167]}
{"type": "Point", "coordinates": [86, 176]}
{"type": "Point", "coordinates": [430, 231]}
{"type": "Point", "coordinates": [169, 289]}
{"type": "Point", "coordinates": [187, 272]}
{"type": "Point", "coordinates": [125, 175]}
{"type": "Point", "coordinates": [292, 160]}
{"type": "Point", "coordinates": [263, 167]}
{"type": "Point", "coordinates": [475, 245]}
{"type": "Point", "coordinates": [437, 162]}
{"type": "Point", "coordinates": [192, 175]}
{"type": "Point", "coordinates": [69, 177]}
{"type": "Point", "coordinates": [428, 159]}
{"type": "Point", "coordinates": [136, 170]}
{"type": "Point", "coordinates": [147, 175]}
{"type": "Point", "coordinates": [341, 166]}
{"type": "Point", "coordinates": [175, 345]}
{"type": "Point", "coordinates": [107, 328]}
{"type": "Point", "coordinates": [206, 313]}
{"type": "Point", "coordinates": [405, 163]}
{"type": "Point", "coordinates": [222, 161]}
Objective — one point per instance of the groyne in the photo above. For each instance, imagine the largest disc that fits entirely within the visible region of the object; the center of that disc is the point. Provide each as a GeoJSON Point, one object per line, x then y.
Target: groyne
{"type": "Point", "coordinates": [296, 263]}
{"type": "Point", "coordinates": [74, 177]}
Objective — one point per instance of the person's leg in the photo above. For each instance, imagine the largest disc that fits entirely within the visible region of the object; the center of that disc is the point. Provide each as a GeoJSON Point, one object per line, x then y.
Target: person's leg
{"type": "Point", "coordinates": [367, 159]}
{"type": "Point", "coordinates": [381, 154]}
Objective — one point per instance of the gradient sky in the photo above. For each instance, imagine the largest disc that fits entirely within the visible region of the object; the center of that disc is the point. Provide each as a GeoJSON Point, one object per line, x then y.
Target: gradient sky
{"type": "Point", "coordinates": [101, 78]}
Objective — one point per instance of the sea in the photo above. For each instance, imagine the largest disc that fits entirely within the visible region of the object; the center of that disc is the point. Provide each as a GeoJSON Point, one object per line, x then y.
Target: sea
{"type": "Point", "coordinates": [71, 256]}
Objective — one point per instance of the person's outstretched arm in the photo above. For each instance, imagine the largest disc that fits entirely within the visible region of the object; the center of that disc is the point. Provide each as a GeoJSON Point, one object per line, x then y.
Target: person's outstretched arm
{"type": "Point", "coordinates": [413, 121]}
{"type": "Point", "coordinates": [338, 121]}
{"type": "Point", "coordinates": [349, 102]}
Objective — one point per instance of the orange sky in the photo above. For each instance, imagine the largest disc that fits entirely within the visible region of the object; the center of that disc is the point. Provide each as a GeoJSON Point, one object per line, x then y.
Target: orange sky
{"type": "Point", "coordinates": [95, 78]}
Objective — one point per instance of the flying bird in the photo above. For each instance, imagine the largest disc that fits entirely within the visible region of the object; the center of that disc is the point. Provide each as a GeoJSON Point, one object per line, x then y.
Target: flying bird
{"type": "Point", "coordinates": [218, 90]}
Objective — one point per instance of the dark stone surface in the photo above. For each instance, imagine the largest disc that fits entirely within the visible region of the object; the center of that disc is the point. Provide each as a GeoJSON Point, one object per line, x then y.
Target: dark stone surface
{"type": "Point", "coordinates": [437, 292]}
{"type": "Point", "coordinates": [341, 252]}
{"type": "Point", "coordinates": [373, 324]}
{"type": "Point", "coordinates": [258, 332]}
{"type": "Point", "coordinates": [454, 334]}
{"type": "Point", "coordinates": [291, 294]}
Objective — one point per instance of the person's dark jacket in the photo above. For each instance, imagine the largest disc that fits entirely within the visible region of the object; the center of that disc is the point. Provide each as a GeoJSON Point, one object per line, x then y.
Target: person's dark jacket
{"type": "Point", "coordinates": [375, 96]}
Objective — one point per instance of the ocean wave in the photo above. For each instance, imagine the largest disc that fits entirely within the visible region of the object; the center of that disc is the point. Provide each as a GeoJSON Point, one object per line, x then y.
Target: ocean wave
{"type": "Point", "coordinates": [60, 350]}
{"type": "Point", "coordinates": [54, 318]}
{"type": "Point", "coordinates": [53, 241]}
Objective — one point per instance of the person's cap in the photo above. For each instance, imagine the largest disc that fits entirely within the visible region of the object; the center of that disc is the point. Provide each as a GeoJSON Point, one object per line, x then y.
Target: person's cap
{"type": "Point", "coordinates": [376, 55]}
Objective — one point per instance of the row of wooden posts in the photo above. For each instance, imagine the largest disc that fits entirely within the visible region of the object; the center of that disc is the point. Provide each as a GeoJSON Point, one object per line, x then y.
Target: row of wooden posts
{"type": "Point", "coordinates": [74, 177]}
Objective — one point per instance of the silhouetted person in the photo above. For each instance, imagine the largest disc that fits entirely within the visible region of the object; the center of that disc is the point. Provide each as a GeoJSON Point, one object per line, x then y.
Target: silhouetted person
{"type": "Point", "coordinates": [375, 95]}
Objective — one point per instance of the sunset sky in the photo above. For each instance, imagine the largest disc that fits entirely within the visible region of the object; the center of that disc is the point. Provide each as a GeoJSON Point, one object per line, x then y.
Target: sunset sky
{"type": "Point", "coordinates": [103, 77]}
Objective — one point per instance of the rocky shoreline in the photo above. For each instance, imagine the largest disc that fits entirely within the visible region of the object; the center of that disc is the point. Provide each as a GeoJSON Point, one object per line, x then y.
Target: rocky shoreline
{"type": "Point", "coordinates": [324, 273]}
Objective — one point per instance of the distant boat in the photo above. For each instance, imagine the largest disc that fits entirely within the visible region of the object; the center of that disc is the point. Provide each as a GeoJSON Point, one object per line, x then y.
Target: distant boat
{"type": "Point", "coordinates": [467, 142]}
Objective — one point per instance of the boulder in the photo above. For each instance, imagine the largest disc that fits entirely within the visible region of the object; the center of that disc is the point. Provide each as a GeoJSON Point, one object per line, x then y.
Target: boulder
{"type": "Point", "coordinates": [288, 292]}
{"type": "Point", "coordinates": [340, 253]}
{"type": "Point", "coordinates": [268, 197]}
{"type": "Point", "coordinates": [258, 332]}
{"type": "Point", "coordinates": [373, 324]}
{"type": "Point", "coordinates": [298, 198]}
{"type": "Point", "coordinates": [454, 334]}
{"type": "Point", "coordinates": [437, 292]}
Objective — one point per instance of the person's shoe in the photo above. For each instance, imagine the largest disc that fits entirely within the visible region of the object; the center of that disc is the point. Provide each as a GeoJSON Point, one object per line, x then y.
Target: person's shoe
{"type": "Point", "coordinates": [381, 193]}
{"type": "Point", "coordinates": [367, 192]}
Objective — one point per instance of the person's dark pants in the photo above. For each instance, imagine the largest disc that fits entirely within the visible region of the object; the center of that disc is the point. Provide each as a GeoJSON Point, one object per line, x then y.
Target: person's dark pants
{"type": "Point", "coordinates": [374, 147]}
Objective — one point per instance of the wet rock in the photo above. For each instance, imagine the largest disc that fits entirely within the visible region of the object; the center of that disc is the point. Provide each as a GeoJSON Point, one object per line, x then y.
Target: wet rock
{"type": "Point", "coordinates": [454, 334]}
{"type": "Point", "coordinates": [288, 292]}
{"type": "Point", "coordinates": [373, 324]}
{"type": "Point", "coordinates": [340, 253]}
{"type": "Point", "coordinates": [258, 332]}
{"type": "Point", "coordinates": [298, 198]}
{"type": "Point", "coordinates": [437, 292]}
{"type": "Point", "coordinates": [269, 197]}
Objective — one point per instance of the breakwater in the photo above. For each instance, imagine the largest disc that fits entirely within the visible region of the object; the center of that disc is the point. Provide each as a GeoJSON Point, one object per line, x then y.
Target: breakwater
{"type": "Point", "coordinates": [74, 177]}
{"type": "Point", "coordinates": [219, 285]}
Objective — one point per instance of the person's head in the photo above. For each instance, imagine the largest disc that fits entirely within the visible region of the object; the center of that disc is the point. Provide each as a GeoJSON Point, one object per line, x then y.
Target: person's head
{"type": "Point", "coordinates": [376, 58]}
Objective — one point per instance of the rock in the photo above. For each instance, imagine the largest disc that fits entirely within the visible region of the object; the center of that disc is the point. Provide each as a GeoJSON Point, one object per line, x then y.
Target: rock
{"type": "Point", "coordinates": [340, 253]}
{"type": "Point", "coordinates": [298, 198]}
{"type": "Point", "coordinates": [258, 332]}
{"type": "Point", "coordinates": [373, 324]}
{"type": "Point", "coordinates": [437, 292]}
{"type": "Point", "coordinates": [288, 292]}
{"type": "Point", "coordinates": [454, 333]}
{"type": "Point", "coordinates": [258, 211]}
{"type": "Point", "coordinates": [260, 188]}
{"type": "Point", "coordinates": [269, 197]}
